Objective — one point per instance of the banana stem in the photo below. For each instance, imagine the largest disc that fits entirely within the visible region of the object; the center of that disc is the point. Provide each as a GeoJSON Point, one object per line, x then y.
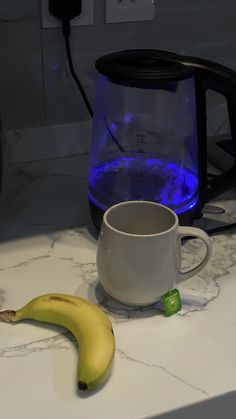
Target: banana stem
{"type": "Point", "coordinates": [7, 316]}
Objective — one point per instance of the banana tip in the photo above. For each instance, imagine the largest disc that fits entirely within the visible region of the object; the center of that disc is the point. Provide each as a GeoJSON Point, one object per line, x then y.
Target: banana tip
{"type": "Point", "coordinates": [82, 385]}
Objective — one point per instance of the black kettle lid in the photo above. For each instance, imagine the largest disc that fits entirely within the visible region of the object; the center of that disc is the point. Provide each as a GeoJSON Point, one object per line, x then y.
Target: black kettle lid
{"type": "Point", "coordinates": [137, 66]}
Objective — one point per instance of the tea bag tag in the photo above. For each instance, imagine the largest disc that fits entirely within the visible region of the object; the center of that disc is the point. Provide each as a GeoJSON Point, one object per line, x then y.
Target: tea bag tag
{"type": "Point", "coordinates": [172, 303]}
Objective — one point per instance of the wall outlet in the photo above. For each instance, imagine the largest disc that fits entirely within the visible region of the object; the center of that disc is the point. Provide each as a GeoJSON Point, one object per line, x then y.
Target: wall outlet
{"type": "Point", "coordinates": [118, 11]}
{"type": "Point", "coordinates": [85, 18]}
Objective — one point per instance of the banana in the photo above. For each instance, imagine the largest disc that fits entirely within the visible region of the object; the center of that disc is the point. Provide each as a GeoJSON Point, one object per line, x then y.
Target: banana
{"type": "Point", "coordinates": [88, 323]}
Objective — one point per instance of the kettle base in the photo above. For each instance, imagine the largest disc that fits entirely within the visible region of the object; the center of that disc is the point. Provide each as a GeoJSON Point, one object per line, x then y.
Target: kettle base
{"type": "Point", "coordinates": [96, 214]}
{"type": "Point", "coordinates": [185, 218]}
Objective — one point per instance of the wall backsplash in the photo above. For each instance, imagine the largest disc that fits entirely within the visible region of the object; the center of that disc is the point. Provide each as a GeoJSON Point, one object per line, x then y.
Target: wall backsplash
{"type": "Point", "coordinates": [35, 84]}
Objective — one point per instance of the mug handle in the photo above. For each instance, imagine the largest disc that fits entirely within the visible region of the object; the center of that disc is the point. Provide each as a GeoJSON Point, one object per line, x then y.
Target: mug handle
{"type": "Point", "coordinates": [200, 234]}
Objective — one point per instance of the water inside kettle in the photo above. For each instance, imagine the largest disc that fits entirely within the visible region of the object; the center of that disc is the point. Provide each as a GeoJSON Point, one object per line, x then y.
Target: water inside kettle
{"type": "Point", "coordinates": [139, 177]}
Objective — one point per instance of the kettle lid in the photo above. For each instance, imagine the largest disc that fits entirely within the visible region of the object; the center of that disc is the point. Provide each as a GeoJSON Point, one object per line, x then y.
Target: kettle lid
{"type": "Point", "coordinates": [142, 65]}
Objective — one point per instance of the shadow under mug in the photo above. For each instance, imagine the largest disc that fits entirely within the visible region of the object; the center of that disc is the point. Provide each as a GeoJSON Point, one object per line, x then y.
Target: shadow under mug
{"type": "Point", "coordinates": [139, 252]}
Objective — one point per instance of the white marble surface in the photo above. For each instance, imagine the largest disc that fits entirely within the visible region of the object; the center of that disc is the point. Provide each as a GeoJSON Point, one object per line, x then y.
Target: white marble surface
{"type": "Point", "coordinates": [46, 142]}
{"type": "Point", "coordinates": [166, 368]}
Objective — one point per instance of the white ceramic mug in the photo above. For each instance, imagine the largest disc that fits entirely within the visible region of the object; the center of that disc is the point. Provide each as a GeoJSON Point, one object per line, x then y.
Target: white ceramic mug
{"type": "Point", "coordinates": [139, 252]}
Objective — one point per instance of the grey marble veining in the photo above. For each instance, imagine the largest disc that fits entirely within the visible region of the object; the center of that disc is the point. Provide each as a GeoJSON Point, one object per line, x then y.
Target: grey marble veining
{"type": "Point", "coordinates": [177, 378]}
{"type": "Point", "coordinates": [58, 342]}
{"type": "Point", "coordinates": [46, 142]}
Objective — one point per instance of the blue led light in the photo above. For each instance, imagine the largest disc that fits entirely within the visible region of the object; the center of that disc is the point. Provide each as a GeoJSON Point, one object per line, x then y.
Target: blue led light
{"type": "Point", "coordinates": [128, 117]}
{"type": "Point", "coordinates": [138, 177]}
{"type": "Point", "coordinates": [113, 127]}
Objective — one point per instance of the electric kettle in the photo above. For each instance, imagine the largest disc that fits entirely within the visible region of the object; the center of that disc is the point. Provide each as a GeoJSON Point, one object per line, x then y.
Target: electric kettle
{"type": "Point", "coordinates": [150, 132]}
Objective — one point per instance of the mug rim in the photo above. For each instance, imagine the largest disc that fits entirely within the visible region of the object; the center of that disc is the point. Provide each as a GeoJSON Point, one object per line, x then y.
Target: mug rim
{"type": "Point", "coordinates": [119, 204]}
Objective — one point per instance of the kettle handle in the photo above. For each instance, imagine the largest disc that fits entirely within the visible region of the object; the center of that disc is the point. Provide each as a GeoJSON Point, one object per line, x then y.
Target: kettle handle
{"type": "Point", "coordinates": [214, 76]}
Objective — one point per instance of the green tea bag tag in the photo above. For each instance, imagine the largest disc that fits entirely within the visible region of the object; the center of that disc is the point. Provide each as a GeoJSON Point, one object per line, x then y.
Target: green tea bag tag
{"type": "Point", "coordinates": [172, 303]}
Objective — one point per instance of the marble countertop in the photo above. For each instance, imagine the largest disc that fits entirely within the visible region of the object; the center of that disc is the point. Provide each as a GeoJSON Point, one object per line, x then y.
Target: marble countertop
{"type": "Point", "coordinates": [178, 367]}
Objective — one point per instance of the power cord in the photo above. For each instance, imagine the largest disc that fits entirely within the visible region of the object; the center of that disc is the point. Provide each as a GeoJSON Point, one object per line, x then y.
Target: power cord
{"type": "Point", "coordinates": [65, 10]}
{"type": "Point", "coordinates": [218, 230]}
{"type": "Point", "coordinates": [212, 231]}
{"type": "Point", "coordinates": [66, 33]}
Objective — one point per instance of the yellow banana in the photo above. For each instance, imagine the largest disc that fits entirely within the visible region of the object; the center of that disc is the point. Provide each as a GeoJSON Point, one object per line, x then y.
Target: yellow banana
{"type": "Point", "coordinates": [88, 323]}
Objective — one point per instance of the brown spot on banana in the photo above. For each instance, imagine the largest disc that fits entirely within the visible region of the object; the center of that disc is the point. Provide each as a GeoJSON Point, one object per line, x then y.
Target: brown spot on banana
{"type": "Point", "coordinates": [58, 298]}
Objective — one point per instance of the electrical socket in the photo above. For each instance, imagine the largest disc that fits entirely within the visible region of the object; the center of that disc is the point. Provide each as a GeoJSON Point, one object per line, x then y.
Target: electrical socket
{"type": "Point", "coordinates": [85, 18]}
{"type": "Point", "coordinates": [118, 11]}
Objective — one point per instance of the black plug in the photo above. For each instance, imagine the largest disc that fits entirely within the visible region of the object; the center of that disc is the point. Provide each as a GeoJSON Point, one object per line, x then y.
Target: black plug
{"type": "Point", "coordinates": [65, 10]}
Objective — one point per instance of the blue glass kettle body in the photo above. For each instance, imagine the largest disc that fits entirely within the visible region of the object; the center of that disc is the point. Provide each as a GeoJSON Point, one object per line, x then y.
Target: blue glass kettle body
{"type": "Point", "coordinates": [149, 131]}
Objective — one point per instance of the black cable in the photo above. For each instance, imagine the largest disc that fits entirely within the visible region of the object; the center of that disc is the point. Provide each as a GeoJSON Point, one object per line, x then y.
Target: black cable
{"type": "Point", "coordinates": [212, 231]}
{"type": "Point", "coordinates": [121, 148]}
{"type": "Point", "coordinates": [211, 175]}
{"type": "Point", "coordinates": [66, 33]}
{"type": "Point", "coordinates": [217, 230]}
